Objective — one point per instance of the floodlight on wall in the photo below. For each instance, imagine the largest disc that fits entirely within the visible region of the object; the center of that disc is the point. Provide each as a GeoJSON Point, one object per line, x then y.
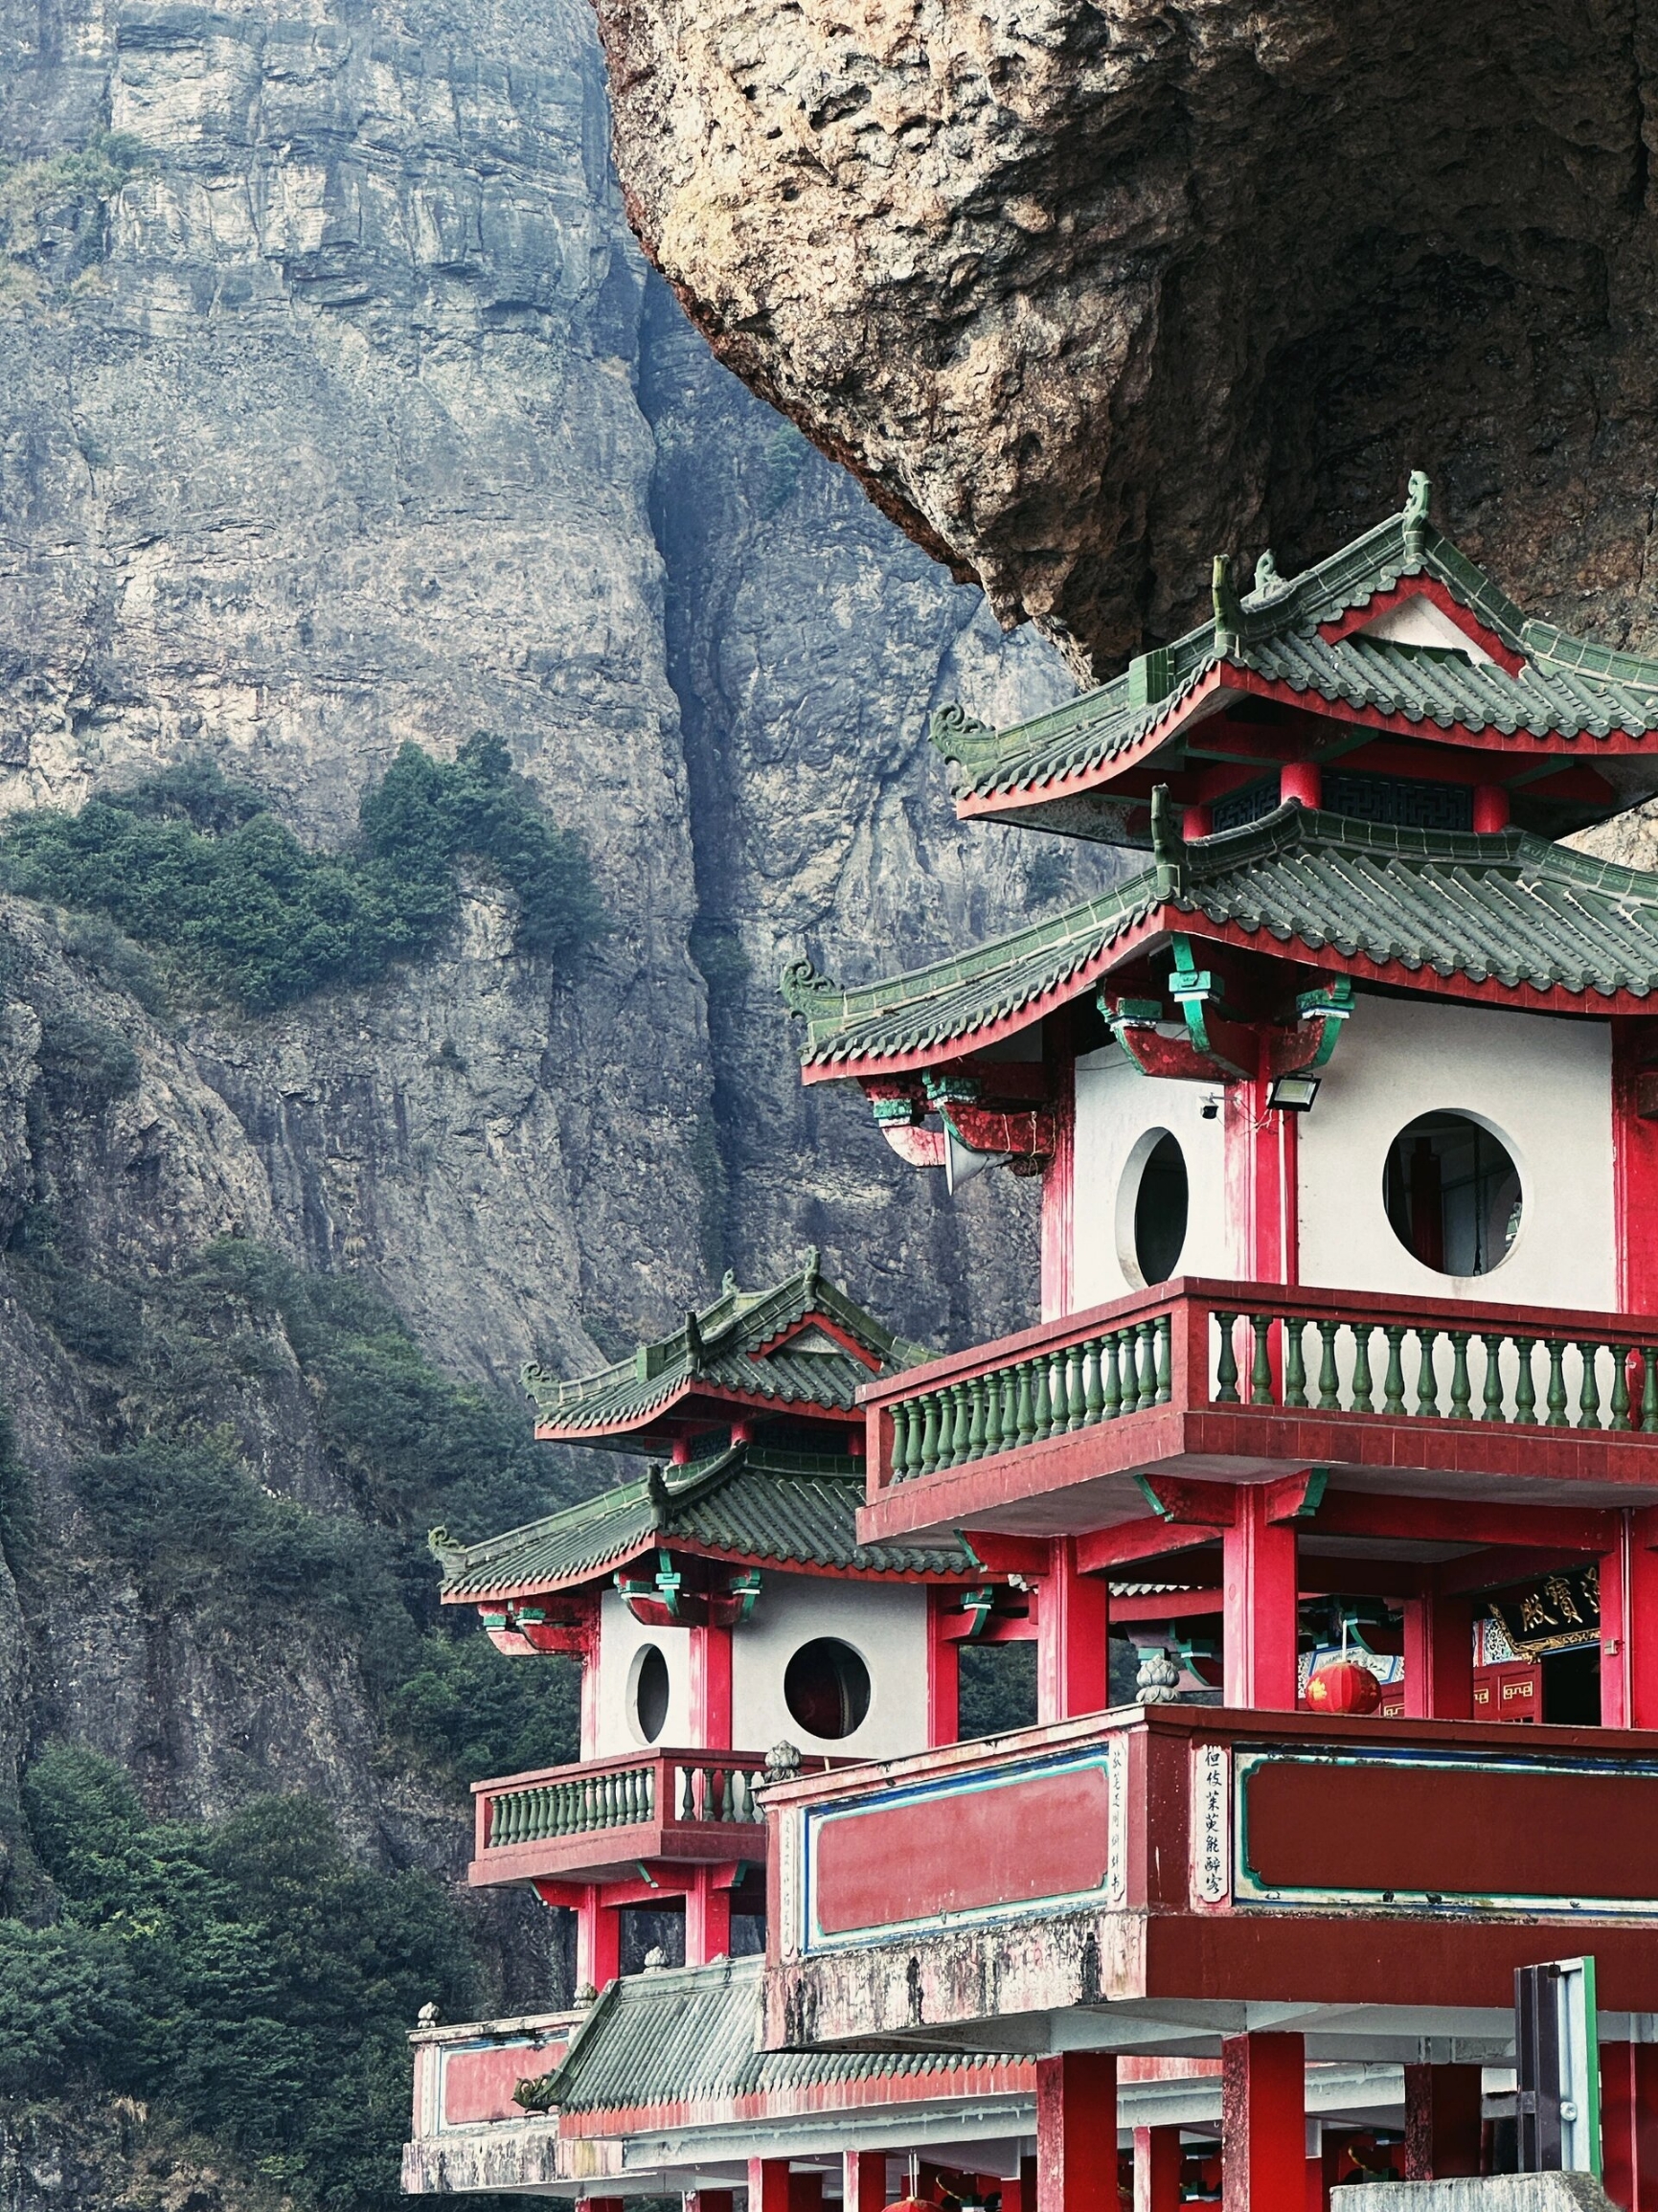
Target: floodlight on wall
{"type": "Point", "coordinates": [1292, 1094]}
{"type": "Point", "coordinates": [962, 1163]}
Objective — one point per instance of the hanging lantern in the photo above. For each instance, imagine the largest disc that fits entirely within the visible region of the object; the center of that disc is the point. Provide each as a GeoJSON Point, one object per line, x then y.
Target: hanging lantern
{"type": "Point", "coordinates": [1344, 1687]}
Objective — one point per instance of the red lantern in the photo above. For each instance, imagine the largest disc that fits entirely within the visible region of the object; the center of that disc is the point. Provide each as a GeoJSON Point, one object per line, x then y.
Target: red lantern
{"type": "Point", "coordinates": [1344, 1687]}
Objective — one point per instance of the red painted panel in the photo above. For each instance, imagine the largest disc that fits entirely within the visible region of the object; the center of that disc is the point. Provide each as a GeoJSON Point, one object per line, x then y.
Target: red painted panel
{"type": "Point", "coordinates": [478, 2084]}
{"type": "Point", "coordinates": [950, 1853]}
{"type": "Point", "coordinates": [1459, 1832]}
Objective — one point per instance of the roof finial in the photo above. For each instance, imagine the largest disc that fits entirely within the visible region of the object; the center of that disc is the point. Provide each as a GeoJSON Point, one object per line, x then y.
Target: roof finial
{"type": "Point", "coordinates": [1168, 845]}
{"type": "Point", "coordinates": [656, 1490]}
{"type": "Point", "coordinates": [1416, 516]}
{"type": "Point", "coordinates": [1228, 614]}
{"type": "Point", "coordinates": [1265, 574]}
{"type": "Point", "coordinates": [692, 1333]}
{"type": "Point", "coordinates": [812, 1263]}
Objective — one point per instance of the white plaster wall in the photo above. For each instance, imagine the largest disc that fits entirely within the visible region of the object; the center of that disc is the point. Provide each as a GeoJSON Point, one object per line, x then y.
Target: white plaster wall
{"type": "Point", "coordinates": [1117, 1106]}
{"type": "Point", "coordinates": [885, 1625]}
{"type": "Point", "coordinates": [620, 1637]}
{"type": "Point", "coordinates": [1543, 1085]}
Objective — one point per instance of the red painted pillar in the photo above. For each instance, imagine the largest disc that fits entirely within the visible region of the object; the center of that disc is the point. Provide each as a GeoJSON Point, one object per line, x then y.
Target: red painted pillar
{"type": "Point", "coordinates": [1072, 1655]}
{"type": "Point", "coordinates": [864, 2182]}
{"type": "Point", "coordinates": [1302, 780]}
{"type": "Point", "coordinates": [1629, 2125]}
{"type": "Point", "coordinates": [1264, 1184]}
{"type": "Point", "coordinates": [1258, 1559]}
{"type": "Point", "coordinates": [598, 1941]}
{"type": "Point", "coordinates": [1442, 2121]}
{"type": "Point", "coordinates": [1077, 2132]}
{"type": "Point", "coordinates": [1263, 2124]}
{"type": "Point", "coordinates": [1060, 1175]}
{"type": "Point", "coordinates": [1157, 2169]}
{"type": "Point", "coordinates": [1491, 810]}
{"type": "Point", "coordinates": [1635, 1165]}
{"type": "Point", "coordinates": [943, 1671]}
{"type": "Point", "coordinates": [768, 2186]}
{"type": "Point", "coordinates": [604, 2205]}
{"type": "Point", "coordinates": [711, 1689]}
{"type": "Point", "coordinates": [806, 2190]}
{"type": "Point", "coordinates": [1438, 1658]}
{"type": "Point", "coordinates": [709, 2200]}
{"type": "Point", "coordinates": [1629, 1624]}
{"type": "Point", "coordinates": [707, 1919]}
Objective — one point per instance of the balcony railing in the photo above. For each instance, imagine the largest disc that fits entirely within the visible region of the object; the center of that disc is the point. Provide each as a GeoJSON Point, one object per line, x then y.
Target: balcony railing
{"type": "Point", "coordinates": [670, 1789]}
{"type": "Point", "coordinates": [1192, 1344]}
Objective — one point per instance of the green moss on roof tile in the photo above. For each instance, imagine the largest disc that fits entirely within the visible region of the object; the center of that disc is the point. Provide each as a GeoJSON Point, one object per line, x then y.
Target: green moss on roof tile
{"type": "Point", "coordinates": [720, 1349]}
{"type": "Point", "coordinates": [1567, 687]}
{"type": "Point", "coordinates": [1510, 908]}
{"type": "Point", "coordinates": [750, 1503]}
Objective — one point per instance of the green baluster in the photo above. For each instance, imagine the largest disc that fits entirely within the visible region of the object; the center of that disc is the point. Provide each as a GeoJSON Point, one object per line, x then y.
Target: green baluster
{"type": "Point", "coordinates": [993, 1415]}
{"type": "Point", "coordinates": [1363, 1387]}
{"type": "Point", "coordinates": [1589, 1395]}
{"type": "Point", "coordinates": [976, 1427]}
{"type": "Point", "coordinates": [1040, 1415]}
{"type": "Point", "coordinates": [1493, 1396]}
{"type": "Point", "coordinates": [1619, 1402]}
{"type": "Point", "coordinates": [1556, 1349]}
{"type": "Point", "coordinates": [1294, 1372]}
{"type": "Point", "coordinates": [1329, 1381]}
{"type": "Point", "coordinates": [1074, 1386]}
{"type": "Point", "coordinates": [1226, 1364]}
{"type": "Point", "coordinates": [650, 1793]}
{"type": "Point", "coordinates": [688, 1793]}
{"type": "Point", "coordinates": [952, 1435]}
{"type": "Point", "coordinates": [1092, 1396]}
{"type": "Point", "coordinates": [1393, 1381]}
{"type": "Point", "coordinates": [1461, 1387]}
{"type": "Point", "coordinates": [1026, 1424]}
{"type": "Point", "coordinates": [918, 1423]}
{"type": "Point", "coordinates": [1260, 1366]}
{"type": "Point", "coordinates": [1525, 1386]}
{"type": "Point", "coordinates": [1010, 1409]}
{"type": "Point", "coordinates": [901, 1439]}
{"type": "Point", "coordinates": [1163, 1328]}
{"type": "Point", "coordinates": [1058, 1403]}
{"type": "Point", "coordinates": [929, 1432]}
{"type": "Point", "coordinates": [1427, 1381]}
{"type": "Point", "coordinates": [1648, 1391]}
{"type": "Point", "coordinates": [1110, 1378]}
{"type": "Point", "coordinates": [1148, 1335]}
{"type": "Point", "coordinates": [963, 1421]}
{"type": "Point", "coordinates": [497, 1829]}
{"type": "Point", "coordinates": [727, 1810]}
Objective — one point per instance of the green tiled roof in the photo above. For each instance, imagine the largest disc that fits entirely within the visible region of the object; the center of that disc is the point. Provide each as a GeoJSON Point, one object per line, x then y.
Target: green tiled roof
{"type": "Point", "coordinates": [693, 2036]}
{"type": "Point", "coordinates": [717, 1352]}
{"type": "Point", "coordinates": [791, 1509]}
{"type": "Point", "coordinates": [1567, 687]}
{"type": "Point", "coordinates": [1512, 908]}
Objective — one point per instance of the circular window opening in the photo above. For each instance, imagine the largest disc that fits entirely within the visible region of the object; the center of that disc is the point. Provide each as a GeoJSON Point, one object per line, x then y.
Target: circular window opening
{"type": "Point", "coordinates": [648, 1693]}
{"type": "Point", "coordinates": [1452, 1194]}
{"type": "Point", "coordinates": [826, 1687]}
{"type": "Point", "coordinates": [1161, 1199]}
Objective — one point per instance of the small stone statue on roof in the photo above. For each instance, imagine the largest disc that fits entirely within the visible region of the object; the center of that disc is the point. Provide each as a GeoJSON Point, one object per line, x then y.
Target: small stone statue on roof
{"type": "Point", "coordinates": [783, 1763]}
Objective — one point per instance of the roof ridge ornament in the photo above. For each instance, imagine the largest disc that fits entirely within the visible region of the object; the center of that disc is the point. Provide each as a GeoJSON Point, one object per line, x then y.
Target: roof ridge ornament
{"type": "Point", "coordinates": [1418, 496]}
{"type": "Point", "coordinates": [1228, 613]}
{"type": "Point", "coordinates": [804, 989]}
{"type": "Point", "coordinates": [948, 724]}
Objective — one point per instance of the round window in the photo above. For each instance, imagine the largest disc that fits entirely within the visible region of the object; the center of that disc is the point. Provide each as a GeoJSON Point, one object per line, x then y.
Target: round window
{"type": "Point", "coordinates": [1152, 1208]}
{"type": "Point", "coordinates": [1452, 1194]}
{"type": "Point", "coordinates": [826, 1687]}
{"type": "Point", "coordinates": [648, 1694]}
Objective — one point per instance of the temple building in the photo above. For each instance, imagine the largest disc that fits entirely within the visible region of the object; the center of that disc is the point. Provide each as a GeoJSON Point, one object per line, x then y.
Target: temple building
{"type": "Point", "coordinates": [1341, 1410]}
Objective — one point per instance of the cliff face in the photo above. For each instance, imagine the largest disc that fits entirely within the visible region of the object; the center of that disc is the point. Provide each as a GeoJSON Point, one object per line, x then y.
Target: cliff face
{"type": "Point", "coordinates": [1089, 291]}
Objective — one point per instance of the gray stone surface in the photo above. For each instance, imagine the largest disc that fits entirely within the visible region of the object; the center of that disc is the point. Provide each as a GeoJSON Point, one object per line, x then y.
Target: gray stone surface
{"type": "Point", "coordinates": [1485, 2193]}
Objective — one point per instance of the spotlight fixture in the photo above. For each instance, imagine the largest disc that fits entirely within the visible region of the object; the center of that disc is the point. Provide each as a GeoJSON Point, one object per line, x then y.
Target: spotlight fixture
{"type": "Point", "coordinates": [1211, 1106]}
{"type": "Point", "coordinates": [1293, 1094]}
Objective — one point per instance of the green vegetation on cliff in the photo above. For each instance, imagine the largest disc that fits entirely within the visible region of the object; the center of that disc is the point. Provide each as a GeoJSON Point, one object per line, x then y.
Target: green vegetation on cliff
{"type": "Point", "coordinates": [199, 870]}
{"type": "Point", "coordinates": [247, 1977]}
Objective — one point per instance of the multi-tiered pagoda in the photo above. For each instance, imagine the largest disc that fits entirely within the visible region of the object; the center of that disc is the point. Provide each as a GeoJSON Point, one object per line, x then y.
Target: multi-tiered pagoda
{"type": "Point", "coordinates": [1341, 1408]}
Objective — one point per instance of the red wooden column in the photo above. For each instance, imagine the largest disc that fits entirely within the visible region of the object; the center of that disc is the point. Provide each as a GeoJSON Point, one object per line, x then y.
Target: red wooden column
{"type": "Point", "coordinates": [805, 2191]}
{"type": "Point", "coordinates": [1060, 1175]}
{"type": "Point", "coordinates": [863, 2181]}
{"type": "Point", "coordinates": [1263, 2124]}
{"type": "Point", "coordinates": [1302, 780]}
{"type": "Point", "coordinates": [711, 1689]}
{"type": "Point", "coordinates": [1076, 2132]}
{"type": "Point", "coordinates": [1629, 1624]}
{"type": "Point", "coordinates": [604, 2205]}
{"type": "Point", "coordinates": [1157, 2169]}
{"type": "Point", "coordinates": [1439, 1658]}
{"type": "Point", "coordinates": [768, 2186]}
{"type": "Point", "coordinates": [1258, 1615]}
{"type": "Point", "coordinates": [1441, 2122]}
{"type": "Point", "coordinates": [707, 1917]}
{"type": "Point", "coordinates": [1071, 1653]}
{"type": "Point", "coordinates": [1629, 2125]}
{"type": "Point", "coordinates": [943, 1671]}
{"type": "Point", "coordinates": [598, 1941]}
{"type": "Point", "coordinates": [1635, 1166]}
{"type": "Point", "coordinates": [709, 2200]}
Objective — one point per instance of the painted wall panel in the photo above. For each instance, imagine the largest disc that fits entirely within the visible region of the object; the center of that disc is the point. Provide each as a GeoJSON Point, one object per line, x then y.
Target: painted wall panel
{"type": "Point", "coordinates": [620, 1638]}
{"type": "Point", "coordinates": [887, 1626]}
{"type": "Point", "coordinates": [1117, 1109]}
{"type": "Point", "coordinates": [1541, 1084]}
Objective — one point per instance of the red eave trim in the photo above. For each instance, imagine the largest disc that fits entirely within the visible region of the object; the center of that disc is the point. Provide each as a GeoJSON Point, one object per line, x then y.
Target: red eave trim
{"type": "Point", "coordinates": [600, 1578]}
{"type": "Point", "coordinates": [989, 2078]}
{"type": "Point", "coordinates": [1526, 997]}
{"type": "Point", "coordinates": [716, 1394]}
{"type": "Point", "coordinates": [1246, 683]}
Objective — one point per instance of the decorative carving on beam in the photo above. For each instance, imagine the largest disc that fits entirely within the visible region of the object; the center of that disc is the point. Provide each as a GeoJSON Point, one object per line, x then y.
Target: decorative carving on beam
{"type": "Point", "coordinates": [970, 1101]}
{"type": "Point", "coordinates": [669, 1600]}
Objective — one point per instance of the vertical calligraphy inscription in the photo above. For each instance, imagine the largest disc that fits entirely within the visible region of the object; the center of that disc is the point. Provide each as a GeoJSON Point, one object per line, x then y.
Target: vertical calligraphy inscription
{"type": "Point", "coordinates": [1211, 1825]}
